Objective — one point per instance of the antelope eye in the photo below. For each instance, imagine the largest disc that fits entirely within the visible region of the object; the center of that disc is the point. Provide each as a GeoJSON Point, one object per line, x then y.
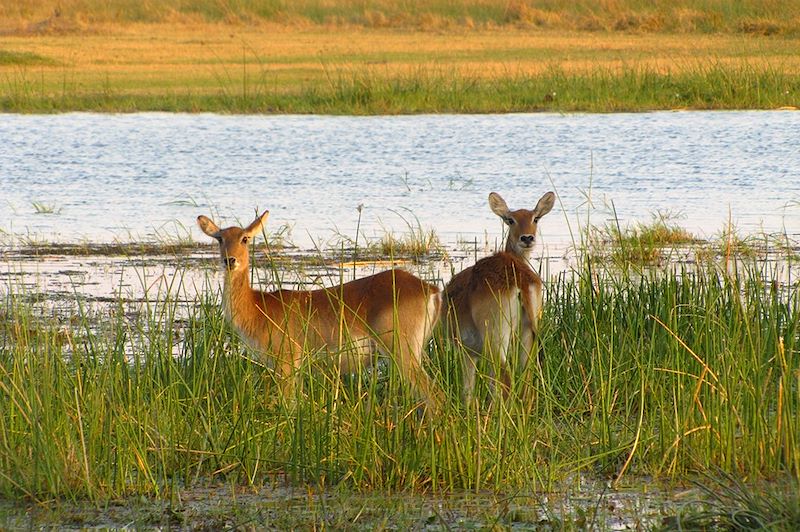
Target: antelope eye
{"type": "Point", "coordinates": [245, 239]}
{"type": "Point", "coordinates": [509, 221]}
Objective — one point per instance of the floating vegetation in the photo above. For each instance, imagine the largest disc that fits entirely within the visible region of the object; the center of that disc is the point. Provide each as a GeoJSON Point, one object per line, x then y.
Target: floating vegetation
{"type": "Point", "coordinates": [46, 208]}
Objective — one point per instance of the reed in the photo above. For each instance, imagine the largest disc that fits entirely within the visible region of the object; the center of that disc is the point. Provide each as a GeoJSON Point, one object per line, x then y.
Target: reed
{"type": "Point", "coordinates": [661, 373]}
{"type": "Point", "coordinates": [642, 244]}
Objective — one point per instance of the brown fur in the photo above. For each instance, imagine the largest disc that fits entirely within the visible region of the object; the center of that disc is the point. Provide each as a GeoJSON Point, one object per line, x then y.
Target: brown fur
{"type": "Point", "coordinates": [481, 301]}
{"type": "Point", "coordinates": [392, 312]}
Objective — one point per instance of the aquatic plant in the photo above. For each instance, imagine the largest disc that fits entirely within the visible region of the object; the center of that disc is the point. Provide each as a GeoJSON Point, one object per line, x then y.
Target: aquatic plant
{"type": "Point", "coordinates": [637, 244]}
{"type": "Point", "coordinates": [45, 208]}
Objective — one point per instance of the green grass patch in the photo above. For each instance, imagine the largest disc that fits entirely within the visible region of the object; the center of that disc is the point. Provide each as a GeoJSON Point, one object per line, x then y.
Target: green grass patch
{"type": "Point", "coordinates": [639, 244]}
{"type": "Point", "coordinates": [416, 243]}
{"type": "Point", "coordinates": [11, 58]}
{"type": "Point", "coordinates": [358, 92]}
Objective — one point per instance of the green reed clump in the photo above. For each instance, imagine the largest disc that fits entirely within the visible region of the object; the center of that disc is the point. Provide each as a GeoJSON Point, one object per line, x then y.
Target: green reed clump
{"type": "Point", "coordinates": [639, 244]}
{"type": "Point", "coordinates": [663, 374]}
{"type": "Point", "coordinates": [683, 371]}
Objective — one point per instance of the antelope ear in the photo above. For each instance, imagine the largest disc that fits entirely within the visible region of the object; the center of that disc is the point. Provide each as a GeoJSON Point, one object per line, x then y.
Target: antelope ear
{"type": "Point", "coordinates": [207, 226]}
{"type": "Point", "coordinates": [255, 227]}
{"type": "Point", "coordinates": [545, 205]}
{"type": "Point", "coordinates": [498, 205]}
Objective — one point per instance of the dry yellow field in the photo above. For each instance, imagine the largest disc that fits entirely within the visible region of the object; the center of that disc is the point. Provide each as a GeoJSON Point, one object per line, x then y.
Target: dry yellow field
{"type": "Point", "coordinates": [170, 59]}
{"type": "Point", "coordinates": [166, 55]}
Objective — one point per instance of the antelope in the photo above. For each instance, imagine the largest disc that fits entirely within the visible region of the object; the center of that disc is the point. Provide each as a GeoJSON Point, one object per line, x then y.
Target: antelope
{"type": "Point", "coordinates": [481, 301]}
{"type": "Point", "coordinates": [391, 313]}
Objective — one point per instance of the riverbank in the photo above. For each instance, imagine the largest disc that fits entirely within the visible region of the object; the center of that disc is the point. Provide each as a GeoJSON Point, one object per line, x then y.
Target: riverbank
{"type": "Point", "coordinates": [269, 68]}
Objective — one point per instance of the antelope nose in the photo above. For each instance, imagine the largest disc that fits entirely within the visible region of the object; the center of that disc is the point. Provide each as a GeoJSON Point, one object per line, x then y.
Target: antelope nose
{"type": "Point", "coordinates": [230, 262]}
{"type": "Point", "coordinates": [527, 239]}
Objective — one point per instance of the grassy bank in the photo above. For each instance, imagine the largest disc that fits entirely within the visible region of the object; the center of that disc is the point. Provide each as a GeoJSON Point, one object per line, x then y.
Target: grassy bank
{"type": "Point", "coordinates": [285, 69]}
{"type": "Point", "coordinates": [707, 16]}
{"type": "Point", "coordinates": [354, 93]}
{"type": "Point", "coordinates": [663, 374]}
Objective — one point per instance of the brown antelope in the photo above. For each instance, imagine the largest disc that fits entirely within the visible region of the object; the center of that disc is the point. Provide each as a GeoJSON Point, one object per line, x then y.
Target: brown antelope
{"type": "Point", "coordinates": [392, 312]}
{"type": "Point", "coordinates": [483, 312]}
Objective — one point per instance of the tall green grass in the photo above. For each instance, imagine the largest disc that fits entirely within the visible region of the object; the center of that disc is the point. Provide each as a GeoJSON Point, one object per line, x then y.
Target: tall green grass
{"type": "Point", "coordinates": [361, 92]}
{"type": "Point", "coordinates": [665, 373]}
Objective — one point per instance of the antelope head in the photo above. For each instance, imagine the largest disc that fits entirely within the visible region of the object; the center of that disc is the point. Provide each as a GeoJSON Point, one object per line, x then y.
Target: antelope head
{"type": "Point", "coordinates": [521, 223]}
{"type": "Point", "coordinates": [233, 241]}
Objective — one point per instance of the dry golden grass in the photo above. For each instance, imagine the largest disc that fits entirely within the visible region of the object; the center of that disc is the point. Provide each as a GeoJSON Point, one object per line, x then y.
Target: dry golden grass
{"type": "Point", "coordinates": [763, 17]}
{"type": "Point", "coordinates": [149, 58]}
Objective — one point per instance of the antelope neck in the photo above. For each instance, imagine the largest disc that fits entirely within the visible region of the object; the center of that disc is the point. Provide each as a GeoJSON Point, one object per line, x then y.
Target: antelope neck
{"type": "Point", "coordinates": [237, 293]}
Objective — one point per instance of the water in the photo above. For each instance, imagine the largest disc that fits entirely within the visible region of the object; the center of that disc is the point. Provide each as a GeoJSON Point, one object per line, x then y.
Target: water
{"type": "Point", "coordinates": [147, 176]}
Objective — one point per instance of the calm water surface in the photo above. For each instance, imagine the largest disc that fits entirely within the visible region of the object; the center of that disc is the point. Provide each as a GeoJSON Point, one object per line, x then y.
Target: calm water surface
{"type": "Point", "coordinates": [147, 176]}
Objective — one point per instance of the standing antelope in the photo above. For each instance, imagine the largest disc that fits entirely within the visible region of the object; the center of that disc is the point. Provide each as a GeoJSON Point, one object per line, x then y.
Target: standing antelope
{"type": "Point", "coordinates": [483, 312]}
{"type": "Point", "coordinates": [392, 312]}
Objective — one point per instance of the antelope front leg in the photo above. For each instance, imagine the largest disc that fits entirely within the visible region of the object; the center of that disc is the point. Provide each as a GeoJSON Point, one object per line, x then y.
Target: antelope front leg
{"type": "Point", "coordinates": [529, 338]}
{"type": "Point", "coordinates": [501, 378]}
{"type": "Point", "coordinates": [470, 367]}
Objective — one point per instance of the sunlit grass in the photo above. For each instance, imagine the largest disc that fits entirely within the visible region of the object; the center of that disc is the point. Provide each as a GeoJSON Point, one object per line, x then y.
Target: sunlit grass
{"type": "Point", "coordinates": [247, 70]}
{"type": "Point", "coordinates": [425, 91]}
{"type": "Point", "coordinates": [417, 244]}
{"type": "Point", "coordinates": [664, 374]}
{"type": "Point", "coordinates": [767, 18]}
{"type": "Point", "coordinates": [640, 243]}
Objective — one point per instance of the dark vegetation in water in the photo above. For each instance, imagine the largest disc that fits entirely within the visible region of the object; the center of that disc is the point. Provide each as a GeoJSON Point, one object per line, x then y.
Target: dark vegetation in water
{"type": "Point", "coordinates": [728, 503]}
{"type": "Point", "coordinates": [153, 249]}
{"type": "Point", "coordinates": [717, 502]}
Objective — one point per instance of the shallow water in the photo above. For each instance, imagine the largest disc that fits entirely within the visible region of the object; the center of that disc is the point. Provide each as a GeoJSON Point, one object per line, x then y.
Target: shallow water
{"type": "Point", "coordinates": [590, 505]}
{"type": "Point", "coordinates": [147, 176]}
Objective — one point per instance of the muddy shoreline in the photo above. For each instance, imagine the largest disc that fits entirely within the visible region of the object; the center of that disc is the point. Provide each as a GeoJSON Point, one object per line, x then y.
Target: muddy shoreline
{"type": "Point", "coordinates": [584, 504]}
